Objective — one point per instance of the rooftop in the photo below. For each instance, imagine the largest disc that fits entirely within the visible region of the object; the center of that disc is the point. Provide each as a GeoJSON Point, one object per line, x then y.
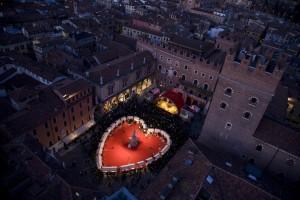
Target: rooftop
{"type": "Point", "coordinates": [278, 135]}
{"type": "Point", "coordinates": [124, 64]}
{"type": "Point", "coordinates": [189, 166]}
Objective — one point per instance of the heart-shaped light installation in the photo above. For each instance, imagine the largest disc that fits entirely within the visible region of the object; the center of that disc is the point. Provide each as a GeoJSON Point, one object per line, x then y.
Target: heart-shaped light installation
{"type": "Point", "coordinates": [128, 144]}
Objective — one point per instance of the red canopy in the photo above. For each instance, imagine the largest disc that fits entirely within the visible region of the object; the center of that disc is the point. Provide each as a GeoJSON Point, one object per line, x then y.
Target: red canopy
{"type": "Point", "coordinates": [175, 97]}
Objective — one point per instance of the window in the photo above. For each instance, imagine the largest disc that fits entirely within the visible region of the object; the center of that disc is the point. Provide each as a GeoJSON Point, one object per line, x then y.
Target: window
{"type": "Point", "coordinates": [50, 143]}
{"type": "Point", "coordinates": [124, 83]}
{"type": "Point", "coordinates": [228, 92]}
{"type": "Point", "coordinates": [211, 78]}
{"type": "Point", "coordinates": [46, 125]}
{"type": "Point", "coordinates": [64, 114]}
{"type": "Point", "coordinates": [80, 105]}
{"type": "Point", "coordinates": [195, 82]}
{"type": "Point", "coordinates": [34, 132]}
{"type": "Point", "coordinates": [183, 77]}
{"type": "Point", "coordinates": [175, 73]}
{"type": "Point", "coordinates": [202, 74]}
{"type": "Point", "coordinates": [161, 57]}
{"type": "Point", "coordinates": [48, 134]}
{"type": "Point", "coordinates": [88, 100]}
{"type": "Point", "coordinates": [259, 147]}
{"type": "Point", "coordinates": [58, 138]}
{"type": "Point", "coordinates": [247, 115]}
{"type": "Point", "coordinates": [65, 123]}
{"type": "Point", "coordinates": [73, 118]}
{"type": "Point", "coordinates": [290, 162]}
{"type": "Point", "coordinates": [88, 108]}
{"type": "Point", "coordinates": [138, 75]}
{"type": "Point", "coordinates": [56, 129]}
{"type": "Point", "coordinates": [110, 89]}
{"type": "Point", "coordinates": [228, 126]}
{"type": "Point", "coordinates": [191, 91]}
{"type": "Point", "coordinates": [253, 101]}
{"type": "Point", "coordinates": [72, 109]}
{"type": "Point", "coordinates": [205, 86]}
{"type": "Point", "coordinates": [196, 72]}
{"type": "Point", "coordinates": [223, 105]}
{"type": "Point", "coordinates": [186, 67]}
{"type": "Point", "coordinates": [81, 113]}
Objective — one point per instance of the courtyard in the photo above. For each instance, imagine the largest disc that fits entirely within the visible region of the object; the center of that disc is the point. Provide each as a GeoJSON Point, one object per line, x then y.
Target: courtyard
{"type": "Point", "coordinates": [80, 156]}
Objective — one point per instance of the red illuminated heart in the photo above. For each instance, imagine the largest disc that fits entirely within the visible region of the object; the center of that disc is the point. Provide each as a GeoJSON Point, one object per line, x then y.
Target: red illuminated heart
{"type": "Point", "coordinates": [117, 153]}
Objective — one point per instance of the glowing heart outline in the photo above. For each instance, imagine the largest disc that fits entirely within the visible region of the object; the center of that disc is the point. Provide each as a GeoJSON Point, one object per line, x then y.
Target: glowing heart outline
{"type": "Point", "coordinates": [136, 165]}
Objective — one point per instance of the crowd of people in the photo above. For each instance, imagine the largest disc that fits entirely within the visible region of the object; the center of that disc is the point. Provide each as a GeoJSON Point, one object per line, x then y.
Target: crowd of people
{"type": "Point", "coordinates": [153, 116]}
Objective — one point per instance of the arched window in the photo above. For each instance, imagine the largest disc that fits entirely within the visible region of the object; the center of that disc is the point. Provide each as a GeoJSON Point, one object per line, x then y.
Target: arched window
{"type": "Point", "coordinates": [228, 91]}
{"type": "Point", "coordinates": [259, 147]}
{"type": "Point", "coordinates": [253, 101]}
{"type": "Point", "coordinates": [247, 115]}
{"type": "Point", "coordinates": [195, 82]}
{"type": "Point", "coordinates": [223, 105]}
{"type": "Point", "coordinates": [175, 73]}
{"type": "Point", "coordinates": [183, 77]}
{"type": "Point", "coordinates": [228, 125]}
{"type": "Point", "coordinates": [205, 86]}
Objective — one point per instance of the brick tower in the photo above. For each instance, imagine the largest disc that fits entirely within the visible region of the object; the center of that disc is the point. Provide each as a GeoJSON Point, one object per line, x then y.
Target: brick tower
{"type": "Point", "coordinates": [245, 87]}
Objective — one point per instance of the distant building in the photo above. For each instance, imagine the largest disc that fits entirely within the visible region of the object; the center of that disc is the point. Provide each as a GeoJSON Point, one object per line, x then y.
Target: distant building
{"type": "Point", "coordinates": [14, 42]}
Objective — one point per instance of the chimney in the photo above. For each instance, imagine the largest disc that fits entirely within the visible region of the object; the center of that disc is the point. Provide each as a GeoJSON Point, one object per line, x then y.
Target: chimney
{"type": "Point", "coordinates": [118, 72]}
{"type": "Point", "coordinates": [101, 80]}
{"type": "Point", "coordinates": [132, 66]}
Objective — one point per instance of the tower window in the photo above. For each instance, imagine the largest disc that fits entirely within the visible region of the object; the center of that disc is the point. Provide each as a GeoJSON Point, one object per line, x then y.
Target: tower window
{"type": "Point", "coordinates": [159, 67]}
{"type": "Point", "coordinates": [175, 73]}
{"type": "Point", "coordinates": [253, 101]}
{"type": "Point", "coordinates": [196, 72]}
{"type": "Point", "coordinates": [211, 78]}
{"type": "Point", "coordinates": [186, 67]}
{"type": "Point", "coordinates": [223, 105]}
{"type": "Point", "coordinates": [183, 77]}
{"type": "Point", "coordinates": [228, 125]}
{"type": "Point", "coordinates": [259, 147]}
{"type": "Point", "coordinates": [247, 115]}
{"type": "Point", "coordinates": [228, 92]}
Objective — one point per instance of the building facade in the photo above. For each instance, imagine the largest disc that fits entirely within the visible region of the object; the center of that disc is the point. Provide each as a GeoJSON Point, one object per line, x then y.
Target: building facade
{"type": "Point", "coordinates": [58, 114]}
{"type": "Point", "coordinates": [122, 78]}
{"type": "Point", "coordinates": [193, 70]}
